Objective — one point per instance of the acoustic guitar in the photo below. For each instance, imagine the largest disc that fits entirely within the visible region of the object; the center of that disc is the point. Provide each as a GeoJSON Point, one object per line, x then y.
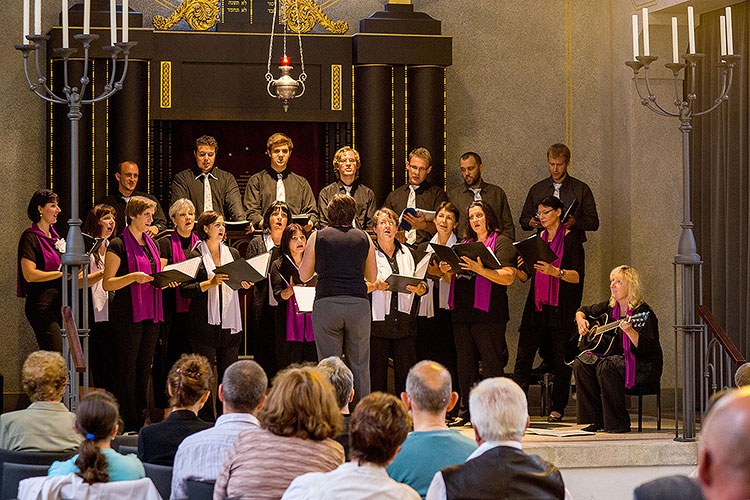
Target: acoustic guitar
{"type": "Point", "coordinates": [601, 337]}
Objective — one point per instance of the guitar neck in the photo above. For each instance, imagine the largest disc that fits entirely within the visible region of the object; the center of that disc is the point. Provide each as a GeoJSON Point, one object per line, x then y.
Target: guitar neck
{"type": "Point", "coordinates": [609, 326]}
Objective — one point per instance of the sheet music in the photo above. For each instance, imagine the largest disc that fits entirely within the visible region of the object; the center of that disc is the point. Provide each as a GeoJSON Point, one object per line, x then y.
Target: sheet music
{"type": "Point", "coordinates": [305, 296]}
{"type": "Point", "coordinates": [189, 267]}
{"type": "Point", "coordinates": [260, 263]}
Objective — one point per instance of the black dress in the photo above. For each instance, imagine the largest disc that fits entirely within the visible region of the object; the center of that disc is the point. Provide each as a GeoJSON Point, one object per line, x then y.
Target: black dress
{"type": "Point", "coordinates": [600, 383]}
{"type": "Point", "coordinates": [158, 443]}
{"type": "Point", "coordinates": [263, 313]}
{"type": "Point", "coordinates": [43, 299]}
{"type": "Point", "coordinates": [553, 326]}
{"type": "Point", "coordinates": [287, 352]}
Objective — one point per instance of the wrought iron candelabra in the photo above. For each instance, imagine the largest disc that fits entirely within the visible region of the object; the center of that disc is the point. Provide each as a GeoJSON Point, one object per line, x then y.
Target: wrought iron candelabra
{"type": "Point", "coordinates": [75, 260]}
{"type": "Point", "coordinates": [687, 262]}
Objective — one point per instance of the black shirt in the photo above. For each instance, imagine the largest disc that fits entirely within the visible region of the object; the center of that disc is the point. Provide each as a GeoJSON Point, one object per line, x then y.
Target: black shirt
{"type": "Point", "coordinates": [428, 197]}
{"type": "Point", "coordinates": [40, 294]}
{"type": "Point", "coordinates": [364, 196]}
{"type": "Point", "coordinates": [157, 443]}
{"type": "Point", "coordinates": [117, 201]}
{"type": "Point", "coordinates": [340, 256]}
{"type": "Point", "coordinates": [225, 194]}
{"type": "Point", "coordinates": [121, 306]}
{"type": "Point", "coordinates": [260, 192]}
{"type": "Point", "coordinates": [492, 195]}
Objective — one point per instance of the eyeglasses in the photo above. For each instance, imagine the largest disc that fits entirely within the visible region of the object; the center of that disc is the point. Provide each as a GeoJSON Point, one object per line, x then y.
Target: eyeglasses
{"type": "Point", "coordinates": [386, 222]}
{"type": "Point", "coordinates": [544, 212]}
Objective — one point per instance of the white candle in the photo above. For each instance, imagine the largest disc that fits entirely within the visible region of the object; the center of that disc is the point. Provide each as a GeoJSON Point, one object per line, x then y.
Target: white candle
{"type": "Point", "coordinates": [646, 51]}
{"type": "Point", "coordinates": [723, 29]}
{"type": "Point", "coordinates": [65, 27]}
{"type": "Point", "coordinates": [38, 17]}
{"type": "Point", "coordinates": [675, 44]}
{"type": "Point", "coordinates": [86, 17]}
{"type": "Point", "coordinates": [730, 42]}
{"type": "Point", "coordinates": [635, 36]}
{"type": "Point", "coordinates": [124, 20]}
{"type": "Point", "coordinates": [112, 22]}
{"type": "Point", "coordinates": [691, 30]}
{"type": "Point", "coordinates": [26, 13]}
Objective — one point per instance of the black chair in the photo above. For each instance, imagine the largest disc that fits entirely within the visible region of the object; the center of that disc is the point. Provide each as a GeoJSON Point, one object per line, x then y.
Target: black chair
{"type": "Point", "coordinates": [647, 390]}
{"type": "Point", "coordinates": [32, 457]}
{"type": "Point", "coordinates": [200, 490]}
{"type": "Point", "coordinates": [14, 473]}
{"type": "Point", "coordinates": [129, 440]}
{"type": "Point", "coordinates": [161, 475]}
{"type": "Point", "coordinates": [128, 450]}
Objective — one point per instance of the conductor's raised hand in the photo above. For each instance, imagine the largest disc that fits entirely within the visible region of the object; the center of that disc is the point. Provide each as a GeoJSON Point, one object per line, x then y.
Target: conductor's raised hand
{"type": "Point", "coordinates": [381, 285]}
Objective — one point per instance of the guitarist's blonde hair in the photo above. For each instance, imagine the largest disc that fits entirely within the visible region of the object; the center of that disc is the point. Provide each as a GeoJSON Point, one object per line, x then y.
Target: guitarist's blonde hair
{"type": "Point", "coordinates": [632, 277]}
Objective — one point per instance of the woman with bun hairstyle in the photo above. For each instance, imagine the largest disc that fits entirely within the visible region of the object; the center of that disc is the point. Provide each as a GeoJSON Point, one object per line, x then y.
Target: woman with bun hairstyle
{"type": "Point", "coordinates": [96, 462]}
{"type": "Point", "coordinates": [188, 386]}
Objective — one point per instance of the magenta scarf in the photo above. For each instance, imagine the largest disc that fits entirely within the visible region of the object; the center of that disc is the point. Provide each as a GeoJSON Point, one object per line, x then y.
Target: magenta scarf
{"type": "Point", "coordinates": [626, 343]}
{"type": "Point", "coordinates": [546, 287]}
{"type": "Point", "coordinates": [298, 325]}
{"type": "Point", "coordinates": [178, 255]}
{"type": "Point", "coordinates": [49, 253]}
{"type": "Point", "coordinates": [145, 298]}
{"type": "Point", "coordinates": [482, 286]}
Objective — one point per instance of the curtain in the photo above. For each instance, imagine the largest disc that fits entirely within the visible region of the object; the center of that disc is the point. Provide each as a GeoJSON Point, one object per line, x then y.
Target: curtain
{"type": "Point", "coordinates": [720, 176]}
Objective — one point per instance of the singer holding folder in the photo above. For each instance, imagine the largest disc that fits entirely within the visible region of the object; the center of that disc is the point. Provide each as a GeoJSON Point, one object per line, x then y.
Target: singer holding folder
{"type": "Point", "coordinates": [554, 297]}
{"type": "Point", "coordinates": [214, 311]}
{"type": "Point", "coordinates": [295, 341]}
{"type": "Point", "coordinates": [480, 304]}
{"type": "Point", "coordinates": [136, 310]}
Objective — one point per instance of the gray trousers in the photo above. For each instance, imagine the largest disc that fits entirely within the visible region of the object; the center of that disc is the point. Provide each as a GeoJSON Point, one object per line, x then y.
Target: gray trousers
{"type": "Point", "coordinates": [342, 326]}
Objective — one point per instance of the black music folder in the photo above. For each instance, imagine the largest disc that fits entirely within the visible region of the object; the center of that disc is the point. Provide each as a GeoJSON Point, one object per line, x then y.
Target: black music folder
{"type": "Point", "coordinates": [572, 208]}
{"type": "Point", "coordinates": [91, 244]}
{"type": "Point", "coordinates": [301, 219]}
{"type": "Point", "coordinates": [476, 249]}
{"type": "Point", "coordinates": [398, 282]}
{"type": "Point", "coordinates": [250, 270]}
{"type": "Point", "coordinates": [533, 249]}
{"type": "Point", "coordinates": [179, 272]}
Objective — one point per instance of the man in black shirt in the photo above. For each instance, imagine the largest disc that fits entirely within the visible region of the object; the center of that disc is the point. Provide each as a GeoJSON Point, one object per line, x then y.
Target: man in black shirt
{"type": "Point", "coordinates": [277, 183]}
{"type": "Point", "coordinates": [474, 189]}
{"type": "Point", "coordinates": [126, 173]}
{"type": "Point", "coordinates": [346, 163]}
{"type": "Point", "coordinates": [223, 195]}
{"type": "Point", "coordinates": [417, 193]}
{"type": "Point", "coordinates": [567, 189]}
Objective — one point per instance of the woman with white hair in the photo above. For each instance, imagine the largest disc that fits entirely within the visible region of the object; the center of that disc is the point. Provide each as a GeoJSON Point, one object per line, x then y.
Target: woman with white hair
{"type": "Point", "coordinates": [634, 358]}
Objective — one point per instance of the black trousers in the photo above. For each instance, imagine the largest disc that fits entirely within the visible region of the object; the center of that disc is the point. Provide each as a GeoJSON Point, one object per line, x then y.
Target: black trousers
{"type": "Point", "coordinates": [221, 352]}
{"type": "Point", "coordinates": [435, 342]}
{"type": "Point", "coordinates": [101, 355]}
{"type": "Point", "coordinates": [600, 391]}
{"type": "Point", "coordinates": [173, 343]}
{"type": "Point", "coordinates": [46, 323]}
{"type": "Point", "coordinates": [529, 341]}
{"type": "Point", "coordinates": [475, 341]}
{"type": "Point", "coordinates": [265, 340]}
{"type": "Point", "coordinates": [134, 345]}
{"type": "Point", "coordinates": [404, 354]}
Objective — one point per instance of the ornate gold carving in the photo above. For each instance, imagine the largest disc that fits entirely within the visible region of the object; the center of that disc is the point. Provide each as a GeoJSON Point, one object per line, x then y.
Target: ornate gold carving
{"type": "Point", "coordinates": [336, 104]}
{"type": "Point", "coordinates": [310, 13]}
{"type": "Point", "coordinates": [201, 15]}
{"type": "Point", "coordinates": [165, 94]}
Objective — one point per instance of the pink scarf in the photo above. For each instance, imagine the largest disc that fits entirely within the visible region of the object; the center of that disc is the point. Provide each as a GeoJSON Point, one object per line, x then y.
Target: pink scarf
{"type": "Point", "coordinates": [298, 325]}
{"type": "Point", "coordinates": [145, 298]}
{"type": "Point", "coordinates": [482, 286]}
{"type": "Point", "coordinates": [546, 287]}
{"type": "Point", "coordinates": [626, 343]}
{"type": "Point", "coordinates": [50, 255]}
{"type": "Point", "coordinates": [178, 255]}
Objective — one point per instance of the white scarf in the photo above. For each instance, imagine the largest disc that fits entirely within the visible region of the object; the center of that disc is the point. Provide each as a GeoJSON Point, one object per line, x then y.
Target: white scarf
{"type": "Point", "coordinates": [230, 317]}
{"type": "Point", "coordinates": [268, 241]}
{"type": "Point", "coordinates": [381, 300]}
{"type": "Point", "coordinates": [426, 305]}
{"type": "Point", "coordinates": [99, 296]}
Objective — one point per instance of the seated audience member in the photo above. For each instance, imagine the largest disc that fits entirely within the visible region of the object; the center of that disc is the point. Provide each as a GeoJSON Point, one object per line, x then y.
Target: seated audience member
{"type": "Point", "coordinates": [669, 488]}
{"type": "Point", "coordinates": [380, 424]}
{"type": "Point", "coordinates": [188, 386]}
{"type": "Point", "coordinates": [297, 423]}
{"type": "Point", "coordinates": [432, 445]}
{"type": "Point", "coordinates": [46, 425]}
{"type": "Point", "coordinates": [742, 375]}
{"type": "Point", "coordinates": [200, 456]}
{"type": "Point", "coordinates": [499, 468]}
{"type": "Point", "coordinates": [342, 380]}
{"type": "Point", "coordinates": [96, 462]}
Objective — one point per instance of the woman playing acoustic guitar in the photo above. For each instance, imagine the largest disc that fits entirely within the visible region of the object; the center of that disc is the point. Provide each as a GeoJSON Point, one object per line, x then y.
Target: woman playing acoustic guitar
{"type": "Point", "coordinates": [635, 357]}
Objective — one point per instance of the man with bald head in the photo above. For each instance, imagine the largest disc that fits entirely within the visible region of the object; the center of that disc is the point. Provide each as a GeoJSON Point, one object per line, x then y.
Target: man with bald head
{"type": "Point", "coordinates": [432, 445]}
{"type": "Point", "coordinates": [723, 452]}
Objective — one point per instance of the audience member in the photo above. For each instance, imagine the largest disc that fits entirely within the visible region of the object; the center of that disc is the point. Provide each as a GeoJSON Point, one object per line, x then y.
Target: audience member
{"type": "Point", "coordinates": [342, 380]}
{"type": "Point", "coordinates": [499, 468]}
{"type": "Point", "coordinates": [188, 386]}
{"type": "Point", "coordinates": [432, 445]}
{"type": "Point", "coordinates": [297, 423]}
{"type": "Point", "coordinates": [201, 455]}
{"type": "Point", "coordinates": [46, 425]}
{"type": "Point", "coordinates": [96, 462]}
{"type": "Point", "coordinates": [380, 424]}
{"type": "Point", "coordinates": [742, 375]}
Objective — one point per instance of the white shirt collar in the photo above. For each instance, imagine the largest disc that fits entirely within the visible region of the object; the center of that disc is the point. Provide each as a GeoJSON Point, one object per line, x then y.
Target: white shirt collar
{"type": "Point", "coordinates": [488, 445]}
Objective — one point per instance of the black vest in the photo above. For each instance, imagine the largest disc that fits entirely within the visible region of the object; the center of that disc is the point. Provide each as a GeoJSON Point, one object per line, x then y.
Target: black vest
{"type": "Point", "coordinates": [503, 473]}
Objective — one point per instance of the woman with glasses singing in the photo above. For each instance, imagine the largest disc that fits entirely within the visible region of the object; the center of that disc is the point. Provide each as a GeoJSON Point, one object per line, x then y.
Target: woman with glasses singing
{"type": "Point", "coordinates": [554, 296]}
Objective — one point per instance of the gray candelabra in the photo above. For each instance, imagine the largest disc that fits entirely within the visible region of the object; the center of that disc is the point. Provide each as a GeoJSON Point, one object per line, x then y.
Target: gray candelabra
{"type": "Point", "coordinates": [75, 260]}
{"type": "Point", "coordinates": [687, 263]}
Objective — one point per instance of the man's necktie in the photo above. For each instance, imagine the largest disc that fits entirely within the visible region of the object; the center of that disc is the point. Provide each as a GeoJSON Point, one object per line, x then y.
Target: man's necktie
{"type": "Point", "coordinates": [411, 202]}
{"type": "Point", "coordinates": [557, 185]}
{"type": "Point", "coordinates": [208, 203]}
{"type": "Point", "coordinates": [280, 191]}
{"type": "Point", "coordinates": [477, 193]}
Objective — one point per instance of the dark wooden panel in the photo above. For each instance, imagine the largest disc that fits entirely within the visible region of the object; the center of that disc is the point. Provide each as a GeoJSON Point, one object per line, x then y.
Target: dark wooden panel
{"type": "Point", "coordinates": [402, 49]}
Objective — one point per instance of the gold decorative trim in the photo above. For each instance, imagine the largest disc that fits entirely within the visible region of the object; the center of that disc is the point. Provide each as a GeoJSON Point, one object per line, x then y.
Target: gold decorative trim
{"type": "Point", "coordinates": [568, 74]}
{"type": "Point", "coordinates": [201, 15]}
{"type": "Point", "coordinates": [302, 16]}
{"type": "Point", "coordinates": [148, 123]}
{"type": "Point", "coordinates": [336, 104]}
{"type": "Point", "coordinates": [353, 113]}
{"type": "Point", "coordinates": [393, 131]}
{"type": "Point", "coordinates": [93, 136]}
{"type": "Point", "coordinates": [165, 86]}
{"type": "Point", "coordinates": [445, 130]}
{"type": "Point", "coordinates": [51, 135]}
{"type": "Point", "coordinates": [406, 120]}
{"type": "Point", "coordinates": [106, 140]}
